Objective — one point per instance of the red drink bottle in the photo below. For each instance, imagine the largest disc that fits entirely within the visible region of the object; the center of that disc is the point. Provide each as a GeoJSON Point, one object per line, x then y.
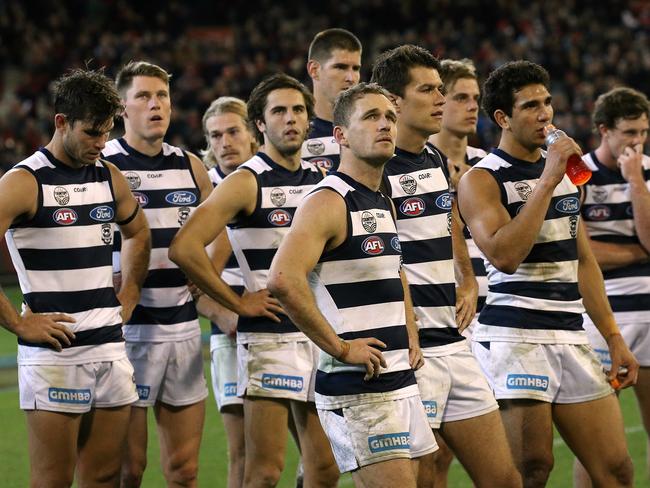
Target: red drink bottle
{"type": "Point", "coordinates": [576, 169]}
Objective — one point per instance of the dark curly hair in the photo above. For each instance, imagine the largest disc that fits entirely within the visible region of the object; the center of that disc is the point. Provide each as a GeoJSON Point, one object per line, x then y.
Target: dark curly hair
{"type": "Point", "coordinates": [392, 68]}
{"type": "Point", "coordinates": [258, 98]}
{"type": "Point", "coordinates": [502, 84]}
{"type": "Point", "coordinates": [619, 103]}
{"type": "Point", "coordinates": [86, 95]}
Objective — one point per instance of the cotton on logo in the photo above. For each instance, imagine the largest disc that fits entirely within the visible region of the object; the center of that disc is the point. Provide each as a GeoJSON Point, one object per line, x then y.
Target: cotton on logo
{"type": "Point", "coordinates": [280, 218]}
{"type": "Point", "coordinates": [65, 216]}
{"type": "Point", "coordinates": [373, 245]}
{"type": "Point", "coordinates": [412, 207]}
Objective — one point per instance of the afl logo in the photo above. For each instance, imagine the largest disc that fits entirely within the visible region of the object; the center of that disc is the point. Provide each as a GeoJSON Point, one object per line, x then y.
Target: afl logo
{"type": "Point", "coordinates": [133, 179]}
{"type": "Point", "coordinates": [373, 245]}
{"type": "Point", "coordinates": [368, 222]}
{"type": "Point", "coordinates": [61, 195]}
{"type": "Point", "coordinates": [141, 198]}
{"type": "Point", "coordinates": [395, 244]}
{"type": "Point", "coordinates": [444, 201]}
{"type": "Point", "coordinates": [65, 216]}
{"type": "Point", "coordinates": [569, 205]}
{"type": "Point", "coordinates": [598, 212]}
{"type": "Point", "coordinates": [523, 189]}
{"type": "Point", "coordinates": [102, 214]}
{"type": "Point", "coordinates": [315, 147]}
{"type": "Point", "coordinates": [324, 163]}
{"type": "Point", "coordinates": [412, 207]}
{"type": "Point", "coordinates": [278, 197]}
{"type": "Point", "coordinates": [280, 218]}
{"type": "Point", "coordinates": [180, 198]}
{"type": "Point", "coordinates": [408, 184]}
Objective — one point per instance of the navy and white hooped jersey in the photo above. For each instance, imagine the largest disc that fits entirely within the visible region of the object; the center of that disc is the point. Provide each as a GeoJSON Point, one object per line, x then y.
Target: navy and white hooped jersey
{"type": "Point", "coordinates": [167, 191]}
{"type": "Point", "coordinates": [419, 187]}
{"type": "Point", "coordinates": [255, 239]}
{"type": "Point", "coordinates": [321, 148]}
{"type": "Point", "coordinates": [472, 156]}
{"type": "Point", "coordinates": [63, 259]}
{"type": "Point", "coordinates": [608, 214]}
{"type": "Point", "coordinates": [358, 289]}
{"type": "Point", "coordinates": [540, 302]}
{"type": "Point", "coordinates": [231, 273]}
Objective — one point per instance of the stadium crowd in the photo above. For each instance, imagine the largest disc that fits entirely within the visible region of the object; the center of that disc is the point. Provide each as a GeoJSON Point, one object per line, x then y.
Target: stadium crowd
{"type": "Point", "coordinates": [215, 48]}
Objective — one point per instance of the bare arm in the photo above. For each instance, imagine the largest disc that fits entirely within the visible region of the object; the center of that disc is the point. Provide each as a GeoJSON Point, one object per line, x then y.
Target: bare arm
{"type": "Point", "coordinates": [592, 289]}
{"type": "Point", "coordinates": [467, 290]}
{"type": "Point", "coordinates": [236, 195]}
{"type": "Point", "coordinates": [610, 255]}
{"type": "Point", "coordinates": [503, 240]}
{"type": "Point", "coordinates": [313, 231]}
{"type": "Point", "coordinates": [201, 175]}
{"type": "Point", "coordinates": [415, 352]}
{"type": "Point", "coordinates": [18, 193]}
{"type": "Point", "coordinates": [136, 244]}
{"type": "Point", "coordinates": [631, 166]}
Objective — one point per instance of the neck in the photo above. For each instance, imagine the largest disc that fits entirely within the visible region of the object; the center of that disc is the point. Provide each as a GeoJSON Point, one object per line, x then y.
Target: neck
{"type": "Point", "coordinates": [55, 146]}
{"type": "Point", "coordinates": [451, 144]}
{"type": "Point", "coordinates": [288, 161]}
{"type": "Point", "coordinates": [322, 108]}
{"type": "Point", "coordinates": [361, 171]}
{"type": "Point", "coordinates": [410, 140]}
{"type": "Point", "coordinates": [515, 149]}
{"type": "Point", "coordinates": [605, 157]}
{"type": "Point", "coordinates": [149, 147]}
{"type": "Point", "coordinates": [224, 169]}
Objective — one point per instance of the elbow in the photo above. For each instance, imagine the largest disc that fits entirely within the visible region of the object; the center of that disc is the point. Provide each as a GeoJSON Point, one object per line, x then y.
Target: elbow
{"type": "Point", "coordinates": [175, 254]}
{"type": "Point", "coordinates": [505, 265]}
{"type": "Point", "coordinates": [277, 284]}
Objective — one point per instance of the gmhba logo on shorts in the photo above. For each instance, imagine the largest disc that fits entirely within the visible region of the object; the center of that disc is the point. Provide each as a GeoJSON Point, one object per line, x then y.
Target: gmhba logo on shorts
{"type": "Point", "coordinates": [282, 382]}
{"type": "Point", "coordinates": [69, 395]}
{"type": "Point", "coordinates": [527, 382]}
{"type": "Point", "coordinates": [230, 389]}
{"type": "Point", "coordinates": [389, 442]}
{"type": "Point", "coordinates": [143, 391]}
{"type": "Point", "coordinates": [430, 408]}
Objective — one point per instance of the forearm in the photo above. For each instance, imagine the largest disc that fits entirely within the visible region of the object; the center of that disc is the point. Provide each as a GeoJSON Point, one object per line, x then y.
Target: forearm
{"type": "Point", "coordinates": [411, 324]}
{"type": "Point", "coordinates": [641, 206]}
{"type": "Point", "coordinates": [224, 318]}
{"type": "Point", "coordinates": [594, 298]}
{"type": "Point", "coordinates": [134, 261]}
{"type": "Point", "coordinates": [611, 256]}
{"type": "Point", "coordinates": [9, 317]}
{"type": "Point", "coordinates": [463, 270]}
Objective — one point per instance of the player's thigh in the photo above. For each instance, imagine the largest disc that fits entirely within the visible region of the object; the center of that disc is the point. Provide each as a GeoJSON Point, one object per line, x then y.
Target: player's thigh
{"type": "Point", "coordinates": [529, 429]}
{"type": "Point", "coordinates": [265, 428]}
{"type": "Point", "coordinates": [642, 392]}
{"type": "Point", "coordinates": [386, 474]}
{"type": "Point", "coordinates": [233, 423]}
{"type": "Point", "coordinates": [179, 431]}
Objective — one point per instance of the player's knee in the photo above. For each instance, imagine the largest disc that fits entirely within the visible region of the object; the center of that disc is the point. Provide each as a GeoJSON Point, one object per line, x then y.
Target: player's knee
{"type": "Point", "coordinates": [268, 475]}
{"type": "Point", "coordinates": [324, 474]}
{"type": "Point", "coordinates": [535, 471]}
{"type": "Point", "coordinates": [132, 472]}
{"type": "Point", "coordinates": [52, 478]}
{"type": "Point", "coordinates": [442, 459]}
{"type": "Point", "coordinates": [623, 471]}
{"type": "Point", "coordinates": [182, 471]}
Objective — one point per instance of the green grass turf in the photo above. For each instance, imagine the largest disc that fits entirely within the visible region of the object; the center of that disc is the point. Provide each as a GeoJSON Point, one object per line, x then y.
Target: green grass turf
{"type": "Point", "coordinates": [213, 458]}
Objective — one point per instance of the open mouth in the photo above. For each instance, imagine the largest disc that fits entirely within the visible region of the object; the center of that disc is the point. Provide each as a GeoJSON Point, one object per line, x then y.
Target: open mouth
{"type": "Point", "coordinates": [156, 118]}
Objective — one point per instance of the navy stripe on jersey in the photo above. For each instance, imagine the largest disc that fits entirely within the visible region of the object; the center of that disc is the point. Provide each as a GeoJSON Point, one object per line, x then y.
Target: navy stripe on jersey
{"type": "Point", "coordinates": [358, 294]}
{"type": "Point", "coordinates": [337, 384]}
{"type": "Point", "coordinates": [419, 187]}
{"type": "Point", "coordinates": [321, 148]}
{"type": "Point", "coordinates": [542, 295]}
{"type": "Point", "coordinates": [255, 238]}
{"type": "Point", "coordinates": [165, 278]}
{"type": "Point", "coordinates": [92, 337]}
{"type": "Point", "coordinates": [393, 337]}
{"type": "Point", "coordinates": [63, 253]}
{"type": "Point", "coordinates": [609, 217]}
{"type": "Point", "coordinates": [437, 337]}
{"type": "Point", "coordinates": [164, 315]}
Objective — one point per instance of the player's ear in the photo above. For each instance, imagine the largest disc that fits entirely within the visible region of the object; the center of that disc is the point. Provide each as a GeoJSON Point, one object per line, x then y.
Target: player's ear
{"type": "Point", "coordinates": [340, 136]}
{"type": "Point", "coordinates": [261, 126]}
{"type": "Point", "coordinates": [313, 69]}
{"type": "Point", "coordinates": [396, 101]}
{"type": "Point", "coordinates": [502, 119]}
{"type": "Point", "coordinates": [60, 121]}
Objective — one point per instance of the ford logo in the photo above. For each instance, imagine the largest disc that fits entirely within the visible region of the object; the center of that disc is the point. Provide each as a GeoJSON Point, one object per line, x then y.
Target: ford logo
{"type": "Point", "coordinates": [102, 213]}
{"type": "Point", "coordinates": [180, 198]}
{"type": "Point", "coordinates": [444, 201]}
{"type": "Point", "coordinates": [569, 205]}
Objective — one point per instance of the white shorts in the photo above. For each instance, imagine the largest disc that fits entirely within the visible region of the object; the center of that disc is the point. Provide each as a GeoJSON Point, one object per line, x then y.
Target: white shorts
{"type": "Point", "coordinates": [636, 336]}
{"type": "Point", "coordinates": [375, 432]}
{"type": "Point", "coordinates": [169, 372]}
{"type": "Point", "coordinates": [554, 373]}
{"type": "Point", "coordinates": [454, 388]}
{"type": "Point", "coordinates": [76, 388]}
{"type": "Point", "coordinates": [223, 350]}
{"type": "Point", "coordinates": [277, 370]}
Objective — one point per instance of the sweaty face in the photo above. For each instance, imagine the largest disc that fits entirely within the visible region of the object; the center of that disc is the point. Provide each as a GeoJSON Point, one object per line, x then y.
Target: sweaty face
{"type": "Point", "coordinates": [626, 133]}
{"type": "Point", "coordinates": [370, 134]}
{"type": "Point", "coordinates": [230, 140]}
{"type": "Point", "coordinates": [341, 71]}
{"type": "Point", "coordinates": [285, 122]}
{"type": "Point", "coordinates": [531, 112]}
{"type": "Point", "coordinates": [83, 142]}
{"type": "Point", "coordinates": [421, 107]}
{"type": "Point", "coordinates": [147, 108]}
{"type": "Point", "coordinates": [461, 108]}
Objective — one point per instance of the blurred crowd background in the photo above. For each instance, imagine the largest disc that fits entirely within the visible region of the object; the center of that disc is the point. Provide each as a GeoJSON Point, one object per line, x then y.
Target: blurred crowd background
{"type": "Point", "coordinates": [215, 48]}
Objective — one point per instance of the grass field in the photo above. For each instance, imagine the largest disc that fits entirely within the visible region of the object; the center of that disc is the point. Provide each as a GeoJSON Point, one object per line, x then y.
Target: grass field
{"type": "Point", "coordinates": [13, 442]}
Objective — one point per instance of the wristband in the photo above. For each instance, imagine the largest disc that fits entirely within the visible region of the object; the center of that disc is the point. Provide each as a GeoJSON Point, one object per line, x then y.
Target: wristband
{"type": "Point", "coordinates": [345, 350]}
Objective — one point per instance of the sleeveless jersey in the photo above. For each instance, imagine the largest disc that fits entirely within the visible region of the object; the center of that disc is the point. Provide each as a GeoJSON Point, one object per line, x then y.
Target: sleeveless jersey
{"type": "Point", "coordinates": [321, 148]}
{"type": "Point", "coordinates": [256, 238]}
{"type": "Point", "coordinates": [231, 273]}
{"type": "Point", "coordinates": [540, 302]}
{"type": "Point", "coordinates": [358, 289]}
{"type": "Point", "coordinates": [608, 214]}
{"type": "Point", "coordinates": [63, 259]}
{"type": "Point", "coordinates": [419, 187]}
{"type": "Point", "coordinates": [167, 191]}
